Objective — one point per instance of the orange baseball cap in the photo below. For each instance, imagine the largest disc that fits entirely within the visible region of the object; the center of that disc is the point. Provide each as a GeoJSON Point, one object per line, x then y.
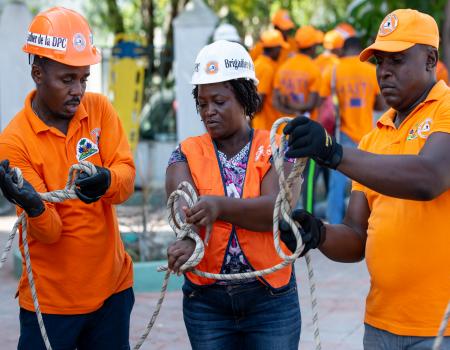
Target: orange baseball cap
{"type": "Point", "coordinates": [306, 36]}
{"type": "Point", "coordinates": [282, 20]}
{"type": "Point", "coordinates": [273, 38]}
{"type": "Point", "coordinates": [346, 30]}
{"type": "Point", "coordinates": [401, 30]}
{"type": "Point", "coordinates": [333, 40]}
{"type": "Point", "coordinates": [319, 36]}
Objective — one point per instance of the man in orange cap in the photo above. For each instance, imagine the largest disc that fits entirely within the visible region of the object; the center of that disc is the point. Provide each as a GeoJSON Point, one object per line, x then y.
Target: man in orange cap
{"type": "Point", "coordinates": [265, 69]}
{"type": "Point", "coordinates": [397, 216]}
{"type": "Point", "coordinates": [82, 274]}
{"type": "Point", "coordinates": [282, 22]}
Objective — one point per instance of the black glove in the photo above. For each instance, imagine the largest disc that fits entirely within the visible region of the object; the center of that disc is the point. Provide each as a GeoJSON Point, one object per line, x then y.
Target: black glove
{"type": "Point", "coordinates": [91, 188]}
{"type": "Point", "coordinates": [312, 231]}
{"type": "Point", "coordinates": [26, 197]}
{"type": "Point", "coordinates": [308, 138]}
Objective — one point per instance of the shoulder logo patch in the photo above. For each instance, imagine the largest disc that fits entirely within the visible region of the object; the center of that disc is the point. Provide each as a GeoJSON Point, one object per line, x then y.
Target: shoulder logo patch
{"type": "Point", "coordinates": [85, 149]}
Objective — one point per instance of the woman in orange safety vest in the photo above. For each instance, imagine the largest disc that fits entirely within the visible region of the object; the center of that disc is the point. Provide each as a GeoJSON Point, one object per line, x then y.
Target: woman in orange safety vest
{"type": "Point", "coordinates": [230, 168]}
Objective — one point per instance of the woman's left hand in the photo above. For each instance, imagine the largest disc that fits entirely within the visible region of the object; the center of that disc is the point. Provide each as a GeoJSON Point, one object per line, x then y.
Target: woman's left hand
{"type": "Point", "coordinates": [204, 213]}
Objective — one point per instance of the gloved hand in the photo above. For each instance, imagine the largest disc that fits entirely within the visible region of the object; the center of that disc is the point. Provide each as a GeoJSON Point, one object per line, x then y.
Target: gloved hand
{"type": "Point", "coordinates": [91, 188]}
{"type": "Point", "coordinates": [26, 197]}
{"type": "Point", "coordinates": [312, 231]}
{"type": "Point", "coordinates": [308, 138]}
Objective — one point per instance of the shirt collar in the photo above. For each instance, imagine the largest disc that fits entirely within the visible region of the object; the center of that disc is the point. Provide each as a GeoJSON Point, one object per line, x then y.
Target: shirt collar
{"type": "Point", "coordinates": [438, 90]}
{"type": "Point", "coordinates": [37, 124]}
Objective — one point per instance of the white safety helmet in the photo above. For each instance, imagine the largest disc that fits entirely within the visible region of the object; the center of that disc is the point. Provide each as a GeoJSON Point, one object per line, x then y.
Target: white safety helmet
{"type": "Point", "coordinates": [222, 61]}
{"type": "Point", "coordinates": [228, 32]}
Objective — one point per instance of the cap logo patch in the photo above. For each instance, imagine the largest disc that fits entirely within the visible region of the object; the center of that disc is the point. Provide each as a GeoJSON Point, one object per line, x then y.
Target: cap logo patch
{"type": "Point", "coordinates": [79, 42]}
{"type": "Point", "coordinates": [388, 25]}
{"type": "Point", "coordinates": [212, 67]}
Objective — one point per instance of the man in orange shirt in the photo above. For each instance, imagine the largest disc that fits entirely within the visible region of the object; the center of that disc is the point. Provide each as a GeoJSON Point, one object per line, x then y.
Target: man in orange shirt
{"type": "Point", "coordinates": [398, 211]}
{"type": "Point", "coordinates": [282, 22]}
{"type": "Point", "coordinates": [358, 95]}
{"type": "Point", "coordinates": [82, 274]}
{"type": "Point", "coordinates": [265, 69]}
{"type": "Point", "coordinates": [297, 81]}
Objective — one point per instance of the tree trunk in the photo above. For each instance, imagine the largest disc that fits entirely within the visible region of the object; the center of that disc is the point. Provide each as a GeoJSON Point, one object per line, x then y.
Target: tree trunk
{"type": "Point", "coordinates": [148, 8]}
{"type": "Point", "coordinates": [445, 35]}
{"type": "Point", "coordinates": [115, 17]}
{"type": "Point", "coordinates": [166, 58]}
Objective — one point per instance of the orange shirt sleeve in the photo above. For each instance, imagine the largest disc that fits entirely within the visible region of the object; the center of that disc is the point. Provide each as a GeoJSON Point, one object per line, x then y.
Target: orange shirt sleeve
{"type": "Point", "coordinates": [442, 120]}
{"type": "Point", "coordinates": [325, 86]}
{"type": "Point", "coordinates": [46, 227]}
{"type": "Point", "coordinates": [116, 156]}
{"type": "Point", "coordinates": [314, 84]}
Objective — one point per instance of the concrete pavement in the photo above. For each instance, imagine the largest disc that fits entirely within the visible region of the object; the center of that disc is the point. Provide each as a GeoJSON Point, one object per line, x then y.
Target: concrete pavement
{"type": "Point", "coordinates": [341, 290]}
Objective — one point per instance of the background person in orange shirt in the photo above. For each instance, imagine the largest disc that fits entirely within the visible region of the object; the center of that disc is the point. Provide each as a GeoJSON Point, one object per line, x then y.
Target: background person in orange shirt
{"type": "Point", "coordinates": [297, 81]}
{"type": "Point", "coordinates": [398, 212]}
{"type": "Point", "coordinates": [282, 22]}
{"type": "Point", "coordinates": [358, 95]}
{"type": "Point", "coordinates": [441, 72]}
{"type": "Point", "coordinates": [83, 276]}
{"type": "Point", "coordinates": [265, 69]}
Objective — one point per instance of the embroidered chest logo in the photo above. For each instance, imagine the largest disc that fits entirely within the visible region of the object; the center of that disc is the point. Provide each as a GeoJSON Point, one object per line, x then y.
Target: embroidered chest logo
{"type": "Point", "coordinates": [95, 135]}
{"type": "Point", "coordinates": [260, 152]}
{"type": "Point", "coordinates": [423, 130]}
{"type": "Point", "coordinates": [85, 149]}
{"type": "Point", "coordinates": [412, 134]}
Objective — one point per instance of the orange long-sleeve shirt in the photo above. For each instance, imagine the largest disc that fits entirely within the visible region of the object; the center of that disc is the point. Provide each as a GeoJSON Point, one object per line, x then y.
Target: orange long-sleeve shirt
{"type": "Point", "coordinates": [77, 255]}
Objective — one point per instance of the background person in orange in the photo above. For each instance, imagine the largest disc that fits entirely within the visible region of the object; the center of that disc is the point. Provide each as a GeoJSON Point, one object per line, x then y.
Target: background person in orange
{"type": "Point", "coordinates": [358, 95]}
{"type": "Point", "coordinates": [297, 81]}
{"type": "Point", "coordinates": [398, 212]}
{"type": "Point", "coordinates": [83, 276]}
{"type": "Point", "coordinates": [441, 72]}
{"type": "Point", "coordinates": [265, 69]}
{"type": "Point", "coordinates": [282, 22]}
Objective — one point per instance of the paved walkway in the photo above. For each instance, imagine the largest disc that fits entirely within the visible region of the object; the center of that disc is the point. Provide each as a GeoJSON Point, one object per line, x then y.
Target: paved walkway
{"type": "Point", "coordinates": [341, 292]}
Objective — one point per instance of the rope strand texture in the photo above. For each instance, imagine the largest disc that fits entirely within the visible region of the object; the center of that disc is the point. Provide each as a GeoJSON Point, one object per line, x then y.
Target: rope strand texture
{"type": "Point", "coordinates": [55, 197]}
{"type": "Point", "coordinates": [282, 210]}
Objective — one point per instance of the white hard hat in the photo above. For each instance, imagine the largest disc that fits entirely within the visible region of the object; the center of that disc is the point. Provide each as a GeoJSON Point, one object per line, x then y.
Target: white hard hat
{"type": "Point", "coordinates": [226, 32]}
{"type": "Point", "coordinates": [222, 61]}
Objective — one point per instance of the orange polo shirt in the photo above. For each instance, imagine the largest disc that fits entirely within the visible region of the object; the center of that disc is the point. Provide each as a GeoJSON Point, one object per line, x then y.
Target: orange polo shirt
{"type": "Point", "coordinates": [356, 88]}
{"type": "Point", "coordinates": [408, 242]}
{"type": "Point", "coordinates": [265, 69]}
{"type": "Point", "coordinates": [77, 255]}
{"type": "Point", "coordinates": [297, 78]}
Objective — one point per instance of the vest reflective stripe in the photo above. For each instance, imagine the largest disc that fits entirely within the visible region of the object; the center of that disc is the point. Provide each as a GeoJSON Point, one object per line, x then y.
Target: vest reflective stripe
{"type": "Point", "coordinates": [258, 247]}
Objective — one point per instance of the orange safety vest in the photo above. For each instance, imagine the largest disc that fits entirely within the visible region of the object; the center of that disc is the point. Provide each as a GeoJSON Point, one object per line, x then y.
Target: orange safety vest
{"type": "Point", "coordinates": [258, 247]}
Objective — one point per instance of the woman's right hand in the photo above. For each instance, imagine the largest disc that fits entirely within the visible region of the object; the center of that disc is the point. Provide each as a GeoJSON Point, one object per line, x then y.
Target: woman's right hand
{"type": "Point", "coordinates": [178, 253]}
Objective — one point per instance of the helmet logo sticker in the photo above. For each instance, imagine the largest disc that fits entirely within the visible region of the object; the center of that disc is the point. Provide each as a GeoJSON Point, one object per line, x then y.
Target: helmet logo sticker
{"type": "Point", "coordinates": [212, 67]}
{"type": "Point", "coordinates": [388, 25]}
{"type": "Point", "coordinates": [79, 42]}
{"type": "Point", "coordinates": [47, 41]}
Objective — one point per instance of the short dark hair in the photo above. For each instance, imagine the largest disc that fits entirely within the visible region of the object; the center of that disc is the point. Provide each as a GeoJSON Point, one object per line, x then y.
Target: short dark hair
{"type": "Point", "coordinates": [40, 61]}
{"type": "Point", "coordinates": [353, 43]}
{"type": "Point", "coordinates": [245, 92]}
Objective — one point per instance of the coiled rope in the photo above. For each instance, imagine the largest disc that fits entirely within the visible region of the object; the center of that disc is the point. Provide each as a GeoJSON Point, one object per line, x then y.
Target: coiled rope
{"type": "Point", "coordinates": [282, 210]}
{"type": "Point", "coordinates": [55, 197]}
